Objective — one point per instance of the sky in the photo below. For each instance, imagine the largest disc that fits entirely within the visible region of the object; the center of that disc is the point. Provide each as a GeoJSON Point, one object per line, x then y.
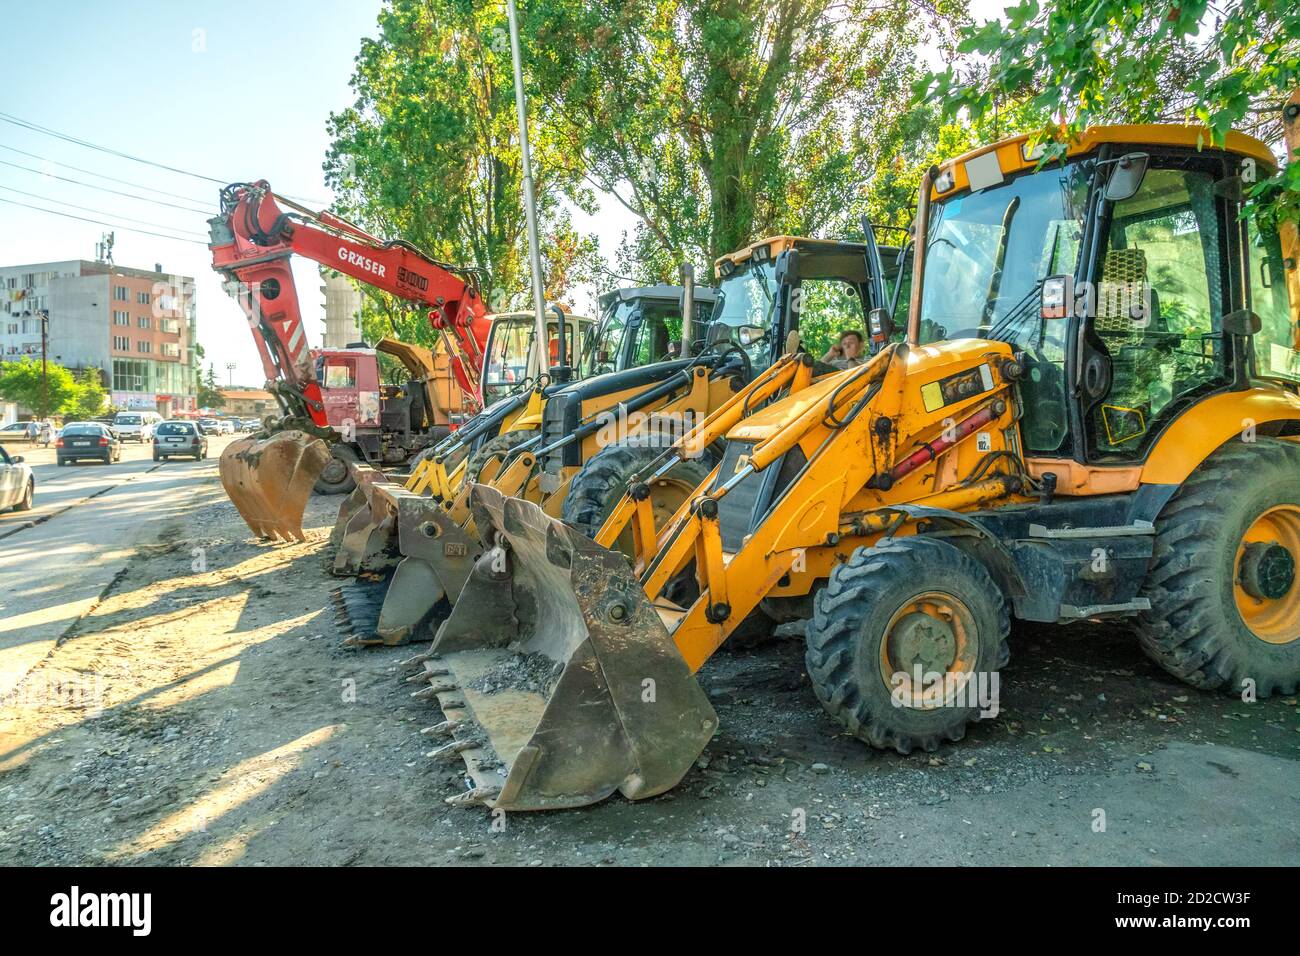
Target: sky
{"type": "Point", "coordinates": [230, 90]}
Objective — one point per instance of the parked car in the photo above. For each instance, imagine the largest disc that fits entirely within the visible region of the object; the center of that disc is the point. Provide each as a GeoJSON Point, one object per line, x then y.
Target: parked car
{"type": "Point", "coordinates": [17, 486]}
{"type": "Point", "coordinates": [16, 432]}
{"type": "Point", "coordinates": [225, 426]}
{"type": "Point", "coordinates": [95, 440]}
{"type": "Point", "coordinates": [179, 437]}
{"type": "Point", "coordinates": [136, 426]}
{"type": "Point", "coordinates": [252, 424]}
{"type": "Point", "coordinates": [210, 426]}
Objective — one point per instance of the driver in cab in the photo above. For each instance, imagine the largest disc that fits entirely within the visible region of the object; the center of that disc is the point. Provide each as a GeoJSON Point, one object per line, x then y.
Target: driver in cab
{"type": "Point", "coordinates": [847, 352]}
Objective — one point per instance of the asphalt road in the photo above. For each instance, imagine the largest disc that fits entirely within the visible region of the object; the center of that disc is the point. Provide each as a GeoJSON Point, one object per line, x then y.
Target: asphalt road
{"type": "Point", "coordinates": [57, 559]}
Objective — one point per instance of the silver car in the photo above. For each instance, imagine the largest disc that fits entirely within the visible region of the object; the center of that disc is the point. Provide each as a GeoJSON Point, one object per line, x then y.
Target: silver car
{"type": "Point", "coordinates": [17, 486]}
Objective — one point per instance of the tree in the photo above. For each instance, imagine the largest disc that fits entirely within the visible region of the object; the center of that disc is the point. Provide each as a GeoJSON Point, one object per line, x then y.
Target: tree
{"type": "Point", "coordinates": [21, 382]}
{"type": "Point", "coordinates": [1074, 63]}
{"type": "Point", "coordinates": [430, 152]}
{"type": "Point", "coordinates": [717, 121]}
{"type": "Point", "coordinates": [209, 392]}
{"type": "Point", "coordinates": [88, 397]}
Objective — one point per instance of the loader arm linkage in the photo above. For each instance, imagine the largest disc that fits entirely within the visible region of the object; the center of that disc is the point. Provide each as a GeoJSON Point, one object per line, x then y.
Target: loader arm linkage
{"type": "Point", "coordinates": [805, 480]}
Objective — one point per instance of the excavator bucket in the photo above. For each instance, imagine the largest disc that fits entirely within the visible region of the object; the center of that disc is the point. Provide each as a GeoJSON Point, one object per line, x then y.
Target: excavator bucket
{"type": "Point", "coordinates": [558, 682]}
{"type": "Point", "coordinates": [269, 480]}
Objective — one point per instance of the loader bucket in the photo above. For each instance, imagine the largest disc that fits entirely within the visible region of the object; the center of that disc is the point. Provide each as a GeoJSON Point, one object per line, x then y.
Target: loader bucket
{"type": "Point", "coordinates": [558, 681]}
{"type": "Point", "coordinates": [437, 558]}
{"type": "Point", "coordinates": [269, 480]}
{"type": "Point", "coordinates": [364, 531]}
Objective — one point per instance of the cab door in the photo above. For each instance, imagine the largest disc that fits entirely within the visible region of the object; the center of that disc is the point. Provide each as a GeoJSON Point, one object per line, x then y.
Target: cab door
{"type": "Point", "coordinates": [1164, 277]}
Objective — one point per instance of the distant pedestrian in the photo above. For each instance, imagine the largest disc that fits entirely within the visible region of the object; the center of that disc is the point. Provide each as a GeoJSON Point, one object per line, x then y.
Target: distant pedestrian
{"type": "Point", "coordinates": [847, 352]}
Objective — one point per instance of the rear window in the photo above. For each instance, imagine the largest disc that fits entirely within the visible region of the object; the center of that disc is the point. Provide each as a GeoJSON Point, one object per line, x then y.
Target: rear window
{"type": "Point", "coordinates": [175, 428]}
{"type": "Point", "coordinates": [128, 419]}
{"type": "Point", "coordinates": [84, 430]}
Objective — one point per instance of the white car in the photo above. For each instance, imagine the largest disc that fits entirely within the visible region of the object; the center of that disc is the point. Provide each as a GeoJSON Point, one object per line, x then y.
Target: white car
{"type": "Point", "coordinates": [17, 486]}
{"type": "Point", "coordinates": [136, 426]}
{"type": "Point", "coordinates": [225, 427]}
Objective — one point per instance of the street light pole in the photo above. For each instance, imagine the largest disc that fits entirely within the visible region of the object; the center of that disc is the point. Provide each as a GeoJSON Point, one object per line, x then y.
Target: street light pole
{"type": "Point", "coordinates": [541, 348]}
{"type": "Point", "coordinates": [230, 368]}
{"type": "Point", "coordinates": [45, 347]}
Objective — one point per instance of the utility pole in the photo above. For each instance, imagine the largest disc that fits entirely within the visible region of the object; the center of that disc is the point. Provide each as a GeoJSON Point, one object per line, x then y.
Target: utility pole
{"type": "Point", "coordinates": [44, 315]}
{"type": "Point", "coordinates": [230, 369]}
{"type": "Point", "coordinates": [541, 348]}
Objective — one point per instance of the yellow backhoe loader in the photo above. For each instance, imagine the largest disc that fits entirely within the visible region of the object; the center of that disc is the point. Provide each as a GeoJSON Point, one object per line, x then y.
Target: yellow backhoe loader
{"type": "Point", "coordinates": [597, 433]}
{"type": "Point", "coordinates": [1093, 415]}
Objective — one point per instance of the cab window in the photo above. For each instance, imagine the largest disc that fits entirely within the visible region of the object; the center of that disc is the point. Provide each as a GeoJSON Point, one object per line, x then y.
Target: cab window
{"type": "Point", "coordinates": [339, 374]}
{"type": "Point", "coordinates": [1159, 305]}
{"type": "Point", "coordinates": [1275, 344]}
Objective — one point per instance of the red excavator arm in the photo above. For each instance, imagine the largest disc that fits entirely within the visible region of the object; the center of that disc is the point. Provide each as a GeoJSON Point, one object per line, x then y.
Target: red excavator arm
{"type": "Point", "coordinates": [251, 242]}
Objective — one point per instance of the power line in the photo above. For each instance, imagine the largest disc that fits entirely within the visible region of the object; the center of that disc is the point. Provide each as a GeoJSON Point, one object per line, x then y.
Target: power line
{"type": "Point", "coordinates": [91, 172]}
{"type": "Point", "coordinates": [36, 127]}
{"type": "Point", "coordinates": [98, 222]}
{"type": "Point", "coordinates": [78, 182]}
{"type": "Point", "coordinates": [101, 212]}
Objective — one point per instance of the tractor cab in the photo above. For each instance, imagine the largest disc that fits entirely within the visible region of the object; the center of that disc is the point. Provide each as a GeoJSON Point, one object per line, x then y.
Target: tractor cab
{"type": "Point", "coordinates": [642, 325]}
{"type": "Point", "coordinates": [819, 287]}
{"type": "Point", "coordinates": [510, 342]}
{"type": "Point", "coordinates": [1122, 272]}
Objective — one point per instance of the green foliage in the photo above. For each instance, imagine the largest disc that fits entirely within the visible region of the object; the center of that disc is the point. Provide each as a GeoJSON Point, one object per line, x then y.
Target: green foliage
{"type": "Point", "coordinates": [209, 391]}
{"type": "Point", "coordinates": [719, 121]}
{"type": "Point", "coordinates": [1075, 63]}
{"type": "Point", "coordinates": [430, 152]}
{"type": "Point", "coordinates": [22, 382]}
{"type": "Point", "coordinates": [89, 399]}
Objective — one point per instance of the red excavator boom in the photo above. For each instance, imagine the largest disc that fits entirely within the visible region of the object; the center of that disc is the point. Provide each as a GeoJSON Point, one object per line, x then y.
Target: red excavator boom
{"type": "Point", "coordinates": [270, 478]}
{"type": "Point", "coordinates": [252, 241]}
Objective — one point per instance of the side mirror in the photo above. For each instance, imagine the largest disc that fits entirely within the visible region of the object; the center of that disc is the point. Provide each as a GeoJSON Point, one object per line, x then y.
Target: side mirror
{"type": "Point", "coordinates": [1126, 176]}
{"type": "Point", "coordinates": [880, 324]}
{"type": "Point", "coordinates": [1242, 322]}
{"type": "Point", "coordinates": [17, 459]}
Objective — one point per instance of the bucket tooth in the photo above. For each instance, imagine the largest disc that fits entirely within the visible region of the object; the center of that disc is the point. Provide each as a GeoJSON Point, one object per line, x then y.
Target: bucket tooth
{"type": "Point", "coordinates": [444, 729]}
{"type": "Point", "coordinates": [417, 660]}
{"type": "Point", "coordinates": [475, 797]}
{"type": "Point", "coordinates": [551, 656]}
{"type": "Point", "coordinates": [453, 750]}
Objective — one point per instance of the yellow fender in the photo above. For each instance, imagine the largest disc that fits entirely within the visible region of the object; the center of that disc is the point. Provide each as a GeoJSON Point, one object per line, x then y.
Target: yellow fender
{"type": "Point", "coordinates": [1208, 424]}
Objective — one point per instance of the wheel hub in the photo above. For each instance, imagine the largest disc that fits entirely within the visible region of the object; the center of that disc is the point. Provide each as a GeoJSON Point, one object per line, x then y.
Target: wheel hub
{"type": "Point", "coordinates": [922, 641]}
{"type": "Point", "coordinates": [1267, 570]}
{"type": "Point", "coordinates": [334, 471]}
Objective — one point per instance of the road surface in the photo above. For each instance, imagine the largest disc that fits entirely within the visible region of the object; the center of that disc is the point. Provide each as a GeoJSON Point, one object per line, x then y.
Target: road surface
{"type": "Point", "coordinates": [57, 559]}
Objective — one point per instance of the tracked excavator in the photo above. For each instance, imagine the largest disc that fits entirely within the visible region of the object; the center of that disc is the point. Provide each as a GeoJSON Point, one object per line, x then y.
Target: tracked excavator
{"type": "Point", "coordinates": [329, 418]}
{"type": "Point", "coordinates": [596, 432]}
{"type": "Point", "coordinates": [1092, 414]}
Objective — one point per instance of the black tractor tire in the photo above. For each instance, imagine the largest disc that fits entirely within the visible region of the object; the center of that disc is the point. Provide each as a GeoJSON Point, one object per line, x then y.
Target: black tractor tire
{"type": "Point", "coordinates": [1194, 628]}
{"type": "Point", "coordinates": [860, 607]}
{"type": "Point", "coordinates": [497, 445]}
{"type": "Point", "coordinates": [597, 488]}
{"type": "Point", "coordinates": [336, 479]}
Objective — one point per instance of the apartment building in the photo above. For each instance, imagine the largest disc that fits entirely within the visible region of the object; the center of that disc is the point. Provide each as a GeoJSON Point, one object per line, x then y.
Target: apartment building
{"type": "Point", "coordinates": [137, 326]}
